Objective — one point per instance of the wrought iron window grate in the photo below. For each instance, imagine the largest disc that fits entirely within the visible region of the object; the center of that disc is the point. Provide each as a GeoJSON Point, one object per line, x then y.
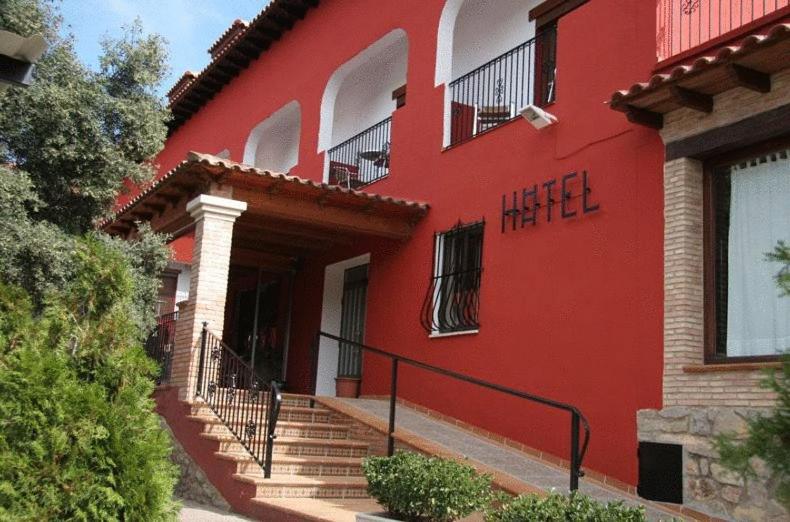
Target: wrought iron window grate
{"type": "Point", "coordinates": [493, 93]}
{"type": "Point", "coordinates": [362, 159]}
{"type": "Point", "coordinates": [453, 299]}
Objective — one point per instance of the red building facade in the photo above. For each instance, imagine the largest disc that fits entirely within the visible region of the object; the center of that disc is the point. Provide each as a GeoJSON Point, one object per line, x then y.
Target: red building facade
{"type": "Point", "coordinates": [571, 272]}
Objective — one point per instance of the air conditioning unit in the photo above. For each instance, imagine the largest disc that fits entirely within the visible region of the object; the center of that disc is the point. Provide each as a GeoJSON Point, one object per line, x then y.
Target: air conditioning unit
{"type": "Point", "coordinates": [537, 117]}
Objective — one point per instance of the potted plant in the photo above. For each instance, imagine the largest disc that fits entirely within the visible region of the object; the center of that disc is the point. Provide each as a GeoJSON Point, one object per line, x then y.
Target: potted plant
{"type": "Point", "coordinates": [415, 488]}
{"type": "Point", "coordinates": [347, 387]}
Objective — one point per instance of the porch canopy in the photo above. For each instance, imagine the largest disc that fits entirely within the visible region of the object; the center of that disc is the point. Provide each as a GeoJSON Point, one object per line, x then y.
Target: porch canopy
{"type": "Point", "coordinates": [748, 64]}
{"type": "Point", "coordinates": [286, 218]}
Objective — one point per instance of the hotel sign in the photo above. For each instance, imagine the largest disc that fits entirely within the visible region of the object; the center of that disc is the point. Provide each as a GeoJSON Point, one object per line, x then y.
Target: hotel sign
{"type": "Point", "coordinates": [551, 200]}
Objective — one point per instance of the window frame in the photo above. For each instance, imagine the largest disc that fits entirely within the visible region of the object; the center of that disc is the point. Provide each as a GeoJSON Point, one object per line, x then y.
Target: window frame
{"type": "Point", "coordinates": [436, 292]}
{"type": "Point", "coordinates": [710, 276]}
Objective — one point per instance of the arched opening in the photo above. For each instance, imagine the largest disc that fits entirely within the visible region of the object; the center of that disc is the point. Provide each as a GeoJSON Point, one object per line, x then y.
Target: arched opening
{"type": "Point", "coordinates": [356, 112]}
{"type": "Point", "coordinates": [493, 62]}
{"type": "Point", "coordinates": [274, 143]}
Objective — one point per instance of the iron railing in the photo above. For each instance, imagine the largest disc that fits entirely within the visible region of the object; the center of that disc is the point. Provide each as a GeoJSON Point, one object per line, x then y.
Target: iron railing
{"type": "Point", "coordinates": [682, 25]}
{"type": "Point", "coordinates": [248, 407]}
{"type": "Point", "coordinates": [578, 420]}
{"type": "Point", "coordinates": [159, 345]}
{"type": "Point", "coordinates": [493, 93]}
{"type": "Point", "coordinates": [363, 159]}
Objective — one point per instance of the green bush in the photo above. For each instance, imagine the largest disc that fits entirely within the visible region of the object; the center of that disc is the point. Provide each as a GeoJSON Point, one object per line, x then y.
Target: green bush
{"type": "Point", "coordinates": [79, 439]}
{"type": "Point", "coordinates": [413, 487]}
{"type": "Point", "coordinates": [561, 508]}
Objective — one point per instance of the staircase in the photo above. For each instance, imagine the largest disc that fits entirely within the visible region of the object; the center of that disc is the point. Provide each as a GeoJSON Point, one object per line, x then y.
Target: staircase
{"type": "Point", "coordinates": [314, 455]}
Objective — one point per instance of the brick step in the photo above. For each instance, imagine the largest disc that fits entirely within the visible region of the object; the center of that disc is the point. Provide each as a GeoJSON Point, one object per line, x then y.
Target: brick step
{"type": "Point", "coordinates": [289, 399]}
{"type": "Point", "coordinates": [287, 413]}
{"type": "Point", "coordinates": [295, 486]}
{"type": "Point", "coordinates": [296, 446]}
{"type": "Point", "coordinates": [318, 466]}
{"type": "Point", "coordinates": [313, 430]}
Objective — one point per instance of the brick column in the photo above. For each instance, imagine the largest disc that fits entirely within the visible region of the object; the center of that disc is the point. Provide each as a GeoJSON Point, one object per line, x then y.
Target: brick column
{"type": "Point", "coordinates": [214, 218]}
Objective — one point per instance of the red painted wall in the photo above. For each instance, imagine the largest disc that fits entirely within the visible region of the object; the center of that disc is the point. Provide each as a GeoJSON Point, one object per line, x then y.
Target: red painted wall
{"type": "Point", "coordinates": [572, 309]}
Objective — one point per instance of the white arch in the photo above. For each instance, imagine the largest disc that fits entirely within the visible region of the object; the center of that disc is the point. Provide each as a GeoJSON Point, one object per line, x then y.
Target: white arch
{"type": "Point", "coordinates": [335, 84]}
{"type": "Point", "coordinates": [444, 42]}
{"type": "Point", "coordinates": [472, 32]}
{"type": "Point", "coordinates": [273, 144]}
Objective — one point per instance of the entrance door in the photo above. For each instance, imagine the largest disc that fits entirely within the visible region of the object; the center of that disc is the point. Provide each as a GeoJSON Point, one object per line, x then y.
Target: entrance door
{"type": "Point", "coordinates": [352, 320]}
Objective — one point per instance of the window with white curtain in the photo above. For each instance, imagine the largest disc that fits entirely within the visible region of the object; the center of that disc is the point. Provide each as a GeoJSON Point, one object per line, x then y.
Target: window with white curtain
{"type": "Point", "coordinates": [751, 210]}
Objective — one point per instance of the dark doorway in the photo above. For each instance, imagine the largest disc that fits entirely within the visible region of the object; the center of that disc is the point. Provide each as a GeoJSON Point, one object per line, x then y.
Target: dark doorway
{"type": "Point", "coordinates": [352, 320]}
{"type": "Point", "coordinates": [257, 337]}
{"type": "Point", "coordinates": [661, 472]}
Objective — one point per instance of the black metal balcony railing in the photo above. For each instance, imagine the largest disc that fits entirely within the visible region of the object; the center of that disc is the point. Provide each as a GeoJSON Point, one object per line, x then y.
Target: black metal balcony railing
{"type": "Point", "coordinates": [682, 25]}
{"type": "Point", "coordinates": [159, 345]}
{"type": "Point", "coordinates": [248, 407]}
{"type": "Point", "coordinates": [362, 159]}
{"type": "Point", "coordinates": [493, 93]}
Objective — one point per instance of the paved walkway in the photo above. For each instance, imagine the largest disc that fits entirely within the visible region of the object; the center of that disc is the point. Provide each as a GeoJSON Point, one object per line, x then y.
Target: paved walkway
{"type": "Point", "coordinates": [191, 512]}
{"type": "Point", "coordinates": [514, 463]}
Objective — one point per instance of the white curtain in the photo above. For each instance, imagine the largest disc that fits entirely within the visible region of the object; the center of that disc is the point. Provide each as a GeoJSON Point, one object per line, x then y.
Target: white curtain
{"type": "Point", "coordinates": [758, 319]}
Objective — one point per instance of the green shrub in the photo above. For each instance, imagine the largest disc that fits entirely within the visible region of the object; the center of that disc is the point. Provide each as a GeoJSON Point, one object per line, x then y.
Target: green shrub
{"type": "Point", "coordinates": [79, 439]}
{"type": "Point", "coordinates": [561, 508]}
{"type": "Point", "coordinates": [413, 487]}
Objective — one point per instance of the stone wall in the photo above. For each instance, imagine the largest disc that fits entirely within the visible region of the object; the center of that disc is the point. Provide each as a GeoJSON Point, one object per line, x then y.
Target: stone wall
{"type": "Point", "coordinates": [193, 485]}
{"type": "Point", "coordinates": [707, 485]}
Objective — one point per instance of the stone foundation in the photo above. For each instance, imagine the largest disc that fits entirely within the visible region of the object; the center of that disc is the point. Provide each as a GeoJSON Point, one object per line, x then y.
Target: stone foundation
{"type": "Point", "coordinates": [193, 485]}
{"type": "Point", "coordinates": [707, 485]}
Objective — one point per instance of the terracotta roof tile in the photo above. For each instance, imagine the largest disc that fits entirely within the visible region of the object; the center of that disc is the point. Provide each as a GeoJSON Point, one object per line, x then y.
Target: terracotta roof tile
{"type": "Point", "coordinates": [722, 56]}
{"type": "Point", "coordinates": [227, 167]}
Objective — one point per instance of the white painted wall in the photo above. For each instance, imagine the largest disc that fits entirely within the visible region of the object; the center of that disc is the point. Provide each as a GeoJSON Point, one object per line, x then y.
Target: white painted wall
{"type": "Point", "coordinates": [484, 29]}
{"type": "Point", "coordinates": [331, 310]}
{"type": "Point", "coordinates": [359, 93]}
{"type": "Point", "coordinates": [182, 284]}
{"type": "Point", "coordinates": [473, 32]}
{"type": "Point", "coordinates": [274, 143]}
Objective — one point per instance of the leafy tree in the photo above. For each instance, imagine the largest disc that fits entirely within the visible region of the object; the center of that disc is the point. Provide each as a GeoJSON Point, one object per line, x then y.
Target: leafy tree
{"type": "Point", "coordinates": [77, 133]}
{"type": "Point", "coordinates": [78, 436]}
{"type": "Point", "coordinates": [769, 435]}
{"type": "Point", "coordinates": [67, 143]}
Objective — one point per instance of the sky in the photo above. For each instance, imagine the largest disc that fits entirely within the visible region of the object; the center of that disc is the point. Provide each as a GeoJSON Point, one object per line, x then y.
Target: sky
{"type": "Point", "coordinates": [190, 26]}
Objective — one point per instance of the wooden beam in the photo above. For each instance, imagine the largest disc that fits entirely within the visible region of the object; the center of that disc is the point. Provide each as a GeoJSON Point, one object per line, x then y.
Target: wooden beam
{"type": "Point", "coordinates": [247, 257]}
{"type": "Point", "coordinates": [551, 10]}
{"type": "Point", "coordinates": [692, 99]}
{"type": "Point", "coordinates": [750, 78]}
{"type": "Point", "coordinates": [309, 213]}
{"type": "Point", "coordinates": [266, 227]}
{"type": "Point", "coordinates": [651, 119]}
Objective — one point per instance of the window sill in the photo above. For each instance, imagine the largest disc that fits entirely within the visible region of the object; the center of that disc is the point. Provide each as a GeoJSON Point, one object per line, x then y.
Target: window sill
{"type": "Point", "coordinates": [730, 367]}
{"type": "Point", "coordinates": [438, 335]}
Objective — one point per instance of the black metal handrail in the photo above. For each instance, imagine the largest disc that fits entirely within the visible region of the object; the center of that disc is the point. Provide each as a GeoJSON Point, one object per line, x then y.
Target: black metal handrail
{"type": "Point", "coordinates": [493, 93]}
{"type": "Point", "coordinates": [245, 404]}
{"type": "Point", "coordinates": [363, 158]}
{"type": "Point", "coordinates": [683, 25]}
{"type": "Point", "coordinates": [159, 345]}
{"type": "Point", "coordinates": [577, 418]}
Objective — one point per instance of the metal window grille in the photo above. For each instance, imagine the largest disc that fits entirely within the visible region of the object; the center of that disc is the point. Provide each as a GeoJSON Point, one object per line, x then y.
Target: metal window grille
{"type": "Point", "coordinates": [453, 299]}
{"type": "Point", "coordinates": [362, 159]}
{"type": "Point", "coordinates": [493, 93]}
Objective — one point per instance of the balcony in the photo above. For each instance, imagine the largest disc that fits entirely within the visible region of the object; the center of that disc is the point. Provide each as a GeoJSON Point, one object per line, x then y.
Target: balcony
{"type": "Point", "coordinates": [492, 94]}
{"type": "Point", "coordinates": [682, 26]}
{"type": "Point", "coordinates": [362, 159]}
